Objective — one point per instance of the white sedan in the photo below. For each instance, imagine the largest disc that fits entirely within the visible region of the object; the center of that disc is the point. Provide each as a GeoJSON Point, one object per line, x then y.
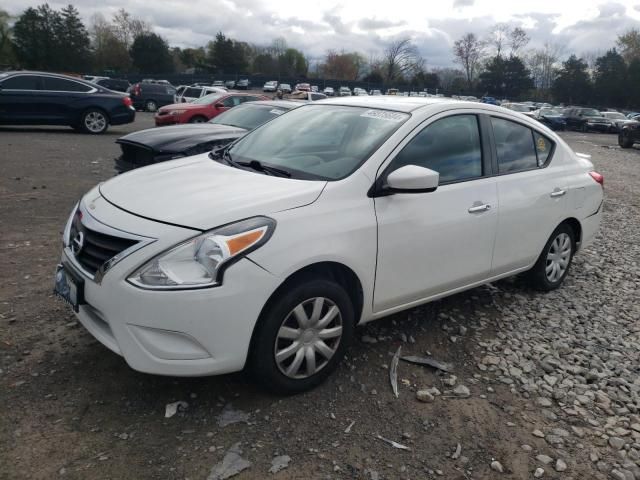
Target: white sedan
{"type": "Point", "coordinates": [268, 253]}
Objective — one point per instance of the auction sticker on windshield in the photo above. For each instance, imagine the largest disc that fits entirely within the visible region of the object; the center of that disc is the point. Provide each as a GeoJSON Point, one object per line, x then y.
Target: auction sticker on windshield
{"type": "Point", "coordinates": [385, 115]}
{"type": "Point", "coordinates": [275, 111]}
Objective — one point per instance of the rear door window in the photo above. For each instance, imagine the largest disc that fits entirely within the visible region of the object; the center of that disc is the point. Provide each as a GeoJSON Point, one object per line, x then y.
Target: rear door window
{"type": "Point", "coordinates": [192, 92]}
{"type": "Point", "coordinates": [514, 145]}
{"type": "Point", "coordinates": [22, 82]}
{"type": "Point", "coordinates": [54, 84]}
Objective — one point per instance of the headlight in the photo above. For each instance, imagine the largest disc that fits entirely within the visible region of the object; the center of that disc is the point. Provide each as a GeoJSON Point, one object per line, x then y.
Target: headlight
{"type": "Point", "coordinates": [66, 234]}
{"type": "Point", "coordinates": [176, 112]}
{"type": "Point", "coordinates": [201, 261]}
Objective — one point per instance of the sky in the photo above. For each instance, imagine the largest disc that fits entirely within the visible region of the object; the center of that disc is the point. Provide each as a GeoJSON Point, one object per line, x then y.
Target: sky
{"type": "Point", "coordinates": [583, 26]}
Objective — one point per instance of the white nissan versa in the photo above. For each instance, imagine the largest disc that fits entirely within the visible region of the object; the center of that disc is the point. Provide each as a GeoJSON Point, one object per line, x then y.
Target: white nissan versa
{"type": "Point", "coordinates": [268, 253]}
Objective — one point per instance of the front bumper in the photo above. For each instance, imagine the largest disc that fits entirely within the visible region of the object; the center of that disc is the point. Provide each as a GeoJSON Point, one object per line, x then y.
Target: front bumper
{"type": "Point", "coordinates": [180, 333]}
{"type": "Point", "coordinates": [168, 119]}
{"type": "Point", "coordinates": [599, 127]}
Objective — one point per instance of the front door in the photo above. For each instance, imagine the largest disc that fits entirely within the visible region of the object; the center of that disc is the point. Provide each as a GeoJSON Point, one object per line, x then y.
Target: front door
{"type": "Point", "coordinates": [431, 243]}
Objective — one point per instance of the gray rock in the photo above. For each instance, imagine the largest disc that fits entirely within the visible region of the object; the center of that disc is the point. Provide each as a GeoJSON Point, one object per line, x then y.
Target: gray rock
{"type": "Point", "coordinates": [461, 391]}
{"type": "Point", "coordinates": [616, 442]}
{"type": "Point", "coordinates": [544, 402]}
{"type": "Point", "coordinates": [232, 464]}
{"type": "Point", "coordinates": [425, 396]}
{"type": "Point", "coordinates": [546, 459]}
{"type": "Point", "coordinates": [527, 448]}
{"type": "Point", "coordinates": [561, 466]}
{"type": "Point", "coordinates": [229, 416]}
{"type": "Point", "coordinates": [537, 433]}
{"type": "Point", "coordinates": [279, 463]}
{"type": "Point", "coordinates": [538, 473]}
{"type": "Point", "coordinates": [497, 466]}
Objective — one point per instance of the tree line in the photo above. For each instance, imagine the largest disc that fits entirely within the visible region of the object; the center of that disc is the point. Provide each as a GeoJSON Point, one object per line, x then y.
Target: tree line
{"type": "Point", "coordinates": [497, 63]}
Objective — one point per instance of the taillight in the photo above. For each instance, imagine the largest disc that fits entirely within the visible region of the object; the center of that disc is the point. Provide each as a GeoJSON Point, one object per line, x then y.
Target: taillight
{"type": "Point", "coordinates": [136, 90]}
{"type": "Point", "coordinates": [127, 101]}
{"type": "Point", "coordinates": [597, 177]}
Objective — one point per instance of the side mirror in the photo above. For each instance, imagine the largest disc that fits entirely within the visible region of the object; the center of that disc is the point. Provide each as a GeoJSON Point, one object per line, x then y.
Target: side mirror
{"type": "Point", "coordinates": [412, 179]}
{"type": "Point", "coordinates": [219, 105]}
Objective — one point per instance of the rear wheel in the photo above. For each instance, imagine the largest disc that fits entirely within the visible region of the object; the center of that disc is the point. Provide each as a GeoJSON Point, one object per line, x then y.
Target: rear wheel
{"type": "Point", "coordinates": [302, 336]}
{"type": "Point", "coordinates": [197, 119]}
{"type": "Point", "coordinates": [553, 264]}
{"type": "Point", "coordinates": [150, 106]}
{"type": "Point", "coordinates": [625, 140]}
{"type": "Point", "coordinates": [94, 121]}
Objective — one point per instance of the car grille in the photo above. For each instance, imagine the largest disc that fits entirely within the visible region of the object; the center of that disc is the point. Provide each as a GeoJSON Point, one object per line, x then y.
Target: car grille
{"type": "Point", "coordinates": [97, 247]}
{"type": "Point", "coordinates": [133, 157]}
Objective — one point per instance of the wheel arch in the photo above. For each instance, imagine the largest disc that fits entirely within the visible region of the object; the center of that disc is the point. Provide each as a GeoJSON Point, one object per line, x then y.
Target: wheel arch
{"type": "Point", "coordinates": [94, 107]}
{"type": "Point", "coordinates": [331, 270]}
{"type": "Point", "coordinates": [576, 226]}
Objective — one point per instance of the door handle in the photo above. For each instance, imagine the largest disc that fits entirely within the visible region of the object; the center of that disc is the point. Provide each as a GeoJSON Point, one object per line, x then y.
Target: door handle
{"type": "Point", "coordinates": [558, 193]}
{"type": "Point", "coordinates": [479, 208]}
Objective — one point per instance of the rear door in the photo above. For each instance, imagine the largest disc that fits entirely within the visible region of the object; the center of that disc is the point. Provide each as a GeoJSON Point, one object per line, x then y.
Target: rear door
{"type": "Point", "coordinates": [532, 191]}
{"type": "Point", "coordinates": [60, 97]}
{"type": "Point", "coordinates": [431, 243]}
{"type": "Point", "coordinates": [19, 99]}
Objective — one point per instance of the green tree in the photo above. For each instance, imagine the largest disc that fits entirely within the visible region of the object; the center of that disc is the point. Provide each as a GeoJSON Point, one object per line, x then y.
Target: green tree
{"type": "Point", "coordinates": [292, 63]}
{"type": "Point", "coordinates": [150, 54]}
{"type": "Point", "coordinates": [610, 79]}
{"type": "Point", "coordinates": [629, 44]}
{"type": "Point", "coordinates": [6, 44]}
{"type": "Point", "coordinates": [573, 85]}
{"type": "Point", "coordinates": [73, 41]}
{"type": "Point", "coordinates": [633, 80]}
{"type": "Point", "coordinates": [35, 39]}
{"type": "Point", "coordinates": [506, 77]}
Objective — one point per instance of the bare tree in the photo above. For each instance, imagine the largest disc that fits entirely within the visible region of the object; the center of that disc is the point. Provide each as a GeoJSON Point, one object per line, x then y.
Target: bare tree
{"type": "Point", "coordinates": [543, 64]}
{"type": "Point", "coordinates": [629, 44]}
{"type": "Point", "coordinates": [401, 58]}
{"type": "Point", "coordinates": [127, 28]}
{"type": "Point", "coordinates": [447, 76]}
{"type": "Point", "coordinates": [518, 39]}
{"type": "Point", "coordinates": [468, 52]}
{"type": "Point", "coordinates": [499, 36]}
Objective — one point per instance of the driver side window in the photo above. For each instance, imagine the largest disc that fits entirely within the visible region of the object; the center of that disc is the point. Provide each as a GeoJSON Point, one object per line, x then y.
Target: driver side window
{"type": "Point", "coordinates": [450, 146]}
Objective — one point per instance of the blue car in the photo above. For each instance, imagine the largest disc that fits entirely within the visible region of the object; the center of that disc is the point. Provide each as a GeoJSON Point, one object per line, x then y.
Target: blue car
{"type": "Point", "coordinates": [489, 100]}
{"type": "Point", "coordinates": [552, 118]}
{"type": "Point", "coordinates": [37, 98]}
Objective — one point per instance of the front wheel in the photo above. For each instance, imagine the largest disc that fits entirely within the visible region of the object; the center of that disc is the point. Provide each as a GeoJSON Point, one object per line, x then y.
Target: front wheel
{"type": "Point", "coordinates": [553, 263]}
{"type": "Point", "coordinates": [197, 119]}
{"type": "Point", "coordinates": [94, 121]}
{"type": "Point", "coordinates": [302, 336]}
{"type": "Point", "coordinates": [625, 140]}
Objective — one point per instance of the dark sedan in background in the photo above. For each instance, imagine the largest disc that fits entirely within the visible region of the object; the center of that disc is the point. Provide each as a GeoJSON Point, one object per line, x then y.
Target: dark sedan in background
{"type": "Point", "coordinates": [586, 119]}
{"type": "Point", "coordinates": [167, 143]}
{"type": "Point", "coordinates": [37, 98]}
{"type": "Point", "coordinates": [551, 117]}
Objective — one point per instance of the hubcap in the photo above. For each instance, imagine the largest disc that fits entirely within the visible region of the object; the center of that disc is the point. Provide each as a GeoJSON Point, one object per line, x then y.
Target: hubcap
{"type": "Point", "coordinates": [95, 121]}
{"type": "Point", "coordinates": [558, 257]}
{"type": "Point", "coordinates": [308, 338]}
{"type": "Point", "coordinates": [151, 107]}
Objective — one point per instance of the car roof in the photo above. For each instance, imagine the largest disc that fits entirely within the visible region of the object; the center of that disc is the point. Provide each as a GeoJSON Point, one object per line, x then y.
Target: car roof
{"type": "Point", "coordinates": [276, 103]}
{"type": "Point", "coordinates": [392, 102]}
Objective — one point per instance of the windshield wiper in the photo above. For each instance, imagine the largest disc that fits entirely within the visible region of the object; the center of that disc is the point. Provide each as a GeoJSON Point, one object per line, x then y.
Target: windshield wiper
{"type": "Point", "coordinates": [260, 167]}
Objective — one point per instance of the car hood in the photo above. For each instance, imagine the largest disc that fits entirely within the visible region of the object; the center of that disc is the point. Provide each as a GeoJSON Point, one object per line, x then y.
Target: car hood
{"type": "Point", "coordinates": [197, 192]}
{"type": "Point", "coordinates": [596, 118]}
{"type": "Point", "coordinates": [183, 106]}
{"type": "Point", "coordinates": [178, 138]}
{"type": "Point", "coordinates": [557, 118]}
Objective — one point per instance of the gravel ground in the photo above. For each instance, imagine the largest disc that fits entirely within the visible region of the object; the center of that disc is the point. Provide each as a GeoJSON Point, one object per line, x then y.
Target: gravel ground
{"type": "Point", "coordinates": [542, 385]}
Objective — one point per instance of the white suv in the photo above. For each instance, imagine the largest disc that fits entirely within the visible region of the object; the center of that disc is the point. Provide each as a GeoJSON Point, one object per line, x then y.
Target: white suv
{"type": "Point", "coordinates": [269, 252]}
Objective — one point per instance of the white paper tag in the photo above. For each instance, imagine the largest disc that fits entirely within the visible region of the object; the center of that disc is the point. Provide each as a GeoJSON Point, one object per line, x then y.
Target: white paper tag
{"type": "Point", "coordinates": [384, 115]}
{"type": "Point", "coordinates": [275, 111]}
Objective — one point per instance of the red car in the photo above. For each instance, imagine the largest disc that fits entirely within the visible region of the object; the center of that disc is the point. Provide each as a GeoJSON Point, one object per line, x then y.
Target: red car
{"type": "Point", "coordinates": [202, 109]}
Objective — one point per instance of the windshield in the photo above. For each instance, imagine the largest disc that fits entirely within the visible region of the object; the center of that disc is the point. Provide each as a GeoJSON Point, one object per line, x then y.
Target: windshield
{"type": "Point", "coordinates": [615, 115]}
{"type": "Point", "coordinates": [208, 99]}
{"type": "Point", "coordinates": [550, 111]}
{"type": "Point", "coordinates": [591, 112]}
{"type": "Point", "coordinates": [319, 141]}
{"type": "Point", "coordinates": [518, 108]}
{"type": "Point", "coordinates": [248, 116]}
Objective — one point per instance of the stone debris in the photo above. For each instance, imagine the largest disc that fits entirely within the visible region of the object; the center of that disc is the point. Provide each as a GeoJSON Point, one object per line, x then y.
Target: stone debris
{"type": "Point", "coordinates": [279, 463]}
{"type": "Point", "coordinates": [561, 466]}
{"type": "Point", "coordinates": [497, 466]}
{"type": "Point", "coordinates": [393, 372]}
{"type": "Point", "coordinates": [425, 396]}
{"type": "Point", "coordinates": [427, 361]}
{"type": "Point", "coordinates": [230, 416]}
{"type": "Point", "coordinates": [392, 443]}
{"type": "Point", "coordinates": [538, 473]}
{"type": "Point", "coordinates": [172, 408]}
{"type": "Point", "coordinates": [457, 453]}
{"type": "Point", "coordinates": [461, 391]}
{"type": "Point", "coordinates": [232, 464]}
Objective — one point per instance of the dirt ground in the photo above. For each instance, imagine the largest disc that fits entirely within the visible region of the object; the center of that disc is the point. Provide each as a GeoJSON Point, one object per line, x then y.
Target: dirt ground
{"type": "Point", "coordinates": [70, 408]}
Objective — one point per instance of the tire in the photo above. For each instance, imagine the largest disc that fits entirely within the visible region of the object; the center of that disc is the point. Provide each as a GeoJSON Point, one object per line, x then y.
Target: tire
{"type": "Point", "coordinates": [625, 141]}
{"type": "Point", "coordinates": [584, 128]}
{"type": "Point", "coordinates": [548, 273]}
{"type": "Point", "coordinates": [197, 119]}
{"type": "Point", "coordinates": [94, 121]}
{"type": "Point", "coordinates": [290, 371]}
{"type": "Point", "coordinates": [150, 106]}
